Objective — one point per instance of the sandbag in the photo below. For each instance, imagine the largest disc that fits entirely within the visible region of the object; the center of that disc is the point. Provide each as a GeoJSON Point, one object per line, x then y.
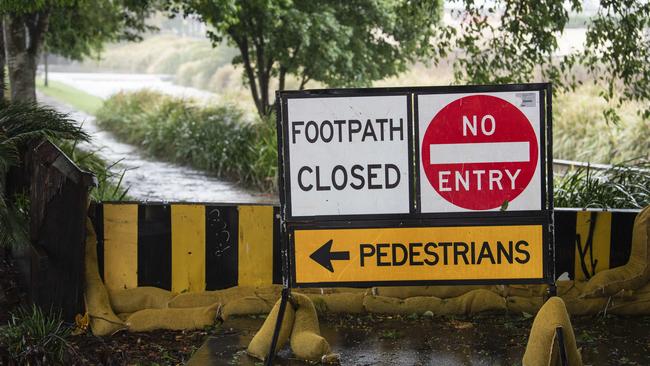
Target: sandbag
{"type": "Point", "coordinates": [250, 305]}
{"type": "Point", "coordinates": [139, 298]}
{"type": "Point", "coordinates": [637, 304]}
{"type": "Point", "coordinates": [635, 272]}
{"type": "Point", "coordinates": [542, 349]}
{"type": "Point", "coordinates": [586, 306]}
{"type": "Point", "coordinates": [520, 304]}
{"type": "Point", "coordinates": [473, 302]}
{"type": "Point", "coordinates": [443, 292]}
{"type": "Point", "coordinates": [306, 341]}
{"type": "Point", "coordinates": [172, 319]}
{"type": "Point", "coordinates": [103, 320]}
{"type": "Point", "coordinates": [207, 298]}
{"type": "Point", "coordinates": [349, 303]}
{"type": "Point", "coordinates": [261, 342]}
{"type": "Point", "coordinates": [392, 305]}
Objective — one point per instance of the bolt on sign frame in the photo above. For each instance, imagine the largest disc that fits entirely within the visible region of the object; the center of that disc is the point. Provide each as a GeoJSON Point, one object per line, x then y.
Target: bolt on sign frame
{"type": "Point", "coordinates": [318, 207]}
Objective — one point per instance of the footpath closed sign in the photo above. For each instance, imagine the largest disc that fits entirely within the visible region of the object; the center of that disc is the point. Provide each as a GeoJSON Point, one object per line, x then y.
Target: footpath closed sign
{"type": "Point", "coordinates": [348, 155]}
{"type": "Point", "coordinates": [374, 255]}
{"type": "Point", "coordinates": [408, 186]}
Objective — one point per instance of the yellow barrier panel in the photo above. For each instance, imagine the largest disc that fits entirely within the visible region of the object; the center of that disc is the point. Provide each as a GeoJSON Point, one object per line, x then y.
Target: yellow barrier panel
{"type": "Point", "coordinates": [255, 246]}
{"type": "Point", "coordinates": [188, 248]}
{"type": "Point", "coordinates": [121, 246]}
{"type": "Point", "coordinates": [595, 252]}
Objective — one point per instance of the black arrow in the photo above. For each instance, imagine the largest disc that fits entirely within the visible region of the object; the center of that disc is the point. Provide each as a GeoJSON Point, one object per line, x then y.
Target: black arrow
{"type": "Point", "coordinates": [324, 256]}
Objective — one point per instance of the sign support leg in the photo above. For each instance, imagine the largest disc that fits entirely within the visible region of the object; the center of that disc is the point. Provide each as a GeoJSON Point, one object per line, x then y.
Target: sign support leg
{"type": "Point", "coordinates": [564, 361]}
{"type": "Point", "coordinates": [278, 324]}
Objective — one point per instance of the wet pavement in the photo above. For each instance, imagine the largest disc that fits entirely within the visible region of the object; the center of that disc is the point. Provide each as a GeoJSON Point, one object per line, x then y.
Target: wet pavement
{"type": "Point", "coordinates": [486, 339]}
{"type": "Point", "coordinates": [149, 179]}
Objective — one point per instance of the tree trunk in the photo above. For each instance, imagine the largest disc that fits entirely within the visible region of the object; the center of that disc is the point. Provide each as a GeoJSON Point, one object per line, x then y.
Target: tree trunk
{"type": "Point", "coordinates": [45, 81]}
{"type": "Point", "coordinates": [24, 35]}
{"type": "Point", "coordinates": [3, 86]}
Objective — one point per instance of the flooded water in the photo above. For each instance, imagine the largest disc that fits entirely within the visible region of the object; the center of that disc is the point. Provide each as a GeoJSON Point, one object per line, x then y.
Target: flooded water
{"type": "Point", "coordinates": [149, 179]}
{"type": "Point", "coordinates": [103, 85]}
{"type": "Point", "coordinates": [485, 339]}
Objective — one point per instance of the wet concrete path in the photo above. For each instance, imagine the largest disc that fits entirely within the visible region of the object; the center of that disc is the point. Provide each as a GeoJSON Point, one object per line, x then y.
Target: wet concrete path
{"type": "Point", "coordinates": [486, 339]}
{"type": "Point", "coordinates": [149, 179]}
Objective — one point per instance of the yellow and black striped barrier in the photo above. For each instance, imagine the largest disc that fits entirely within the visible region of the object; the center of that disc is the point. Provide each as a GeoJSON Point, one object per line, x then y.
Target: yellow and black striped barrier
{"type": "Point", "coordinates": [196, 247]}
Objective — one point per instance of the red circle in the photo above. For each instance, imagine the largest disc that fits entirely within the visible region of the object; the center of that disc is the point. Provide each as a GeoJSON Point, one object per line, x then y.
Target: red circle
{"type": "Point", "coordinates": [459, 182]}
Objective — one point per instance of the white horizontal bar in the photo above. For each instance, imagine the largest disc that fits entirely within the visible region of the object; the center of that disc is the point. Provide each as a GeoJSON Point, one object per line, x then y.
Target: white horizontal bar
{"type": "Point", "coordinates": [482, 152]}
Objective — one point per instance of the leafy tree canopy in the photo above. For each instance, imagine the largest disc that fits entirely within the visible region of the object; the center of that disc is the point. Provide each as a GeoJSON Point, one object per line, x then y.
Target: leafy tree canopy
{"type": "Point", "coordinates": [339, 42]}
{"type": "Point", "coordinates": [81, 28]}
{"type": "Point", "coordinates": [517, 41]}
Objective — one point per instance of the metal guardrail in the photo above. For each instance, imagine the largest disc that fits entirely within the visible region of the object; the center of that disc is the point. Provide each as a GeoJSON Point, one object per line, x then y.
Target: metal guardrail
{"type": "Point", "coordinates": [560, 166]}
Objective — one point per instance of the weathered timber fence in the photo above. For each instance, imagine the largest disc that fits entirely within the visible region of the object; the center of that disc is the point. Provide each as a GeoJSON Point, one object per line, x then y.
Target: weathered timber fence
{"type": "Point", "coordinates": [197, 247]}
{"type": "Point", "coordinates": [52, 267]}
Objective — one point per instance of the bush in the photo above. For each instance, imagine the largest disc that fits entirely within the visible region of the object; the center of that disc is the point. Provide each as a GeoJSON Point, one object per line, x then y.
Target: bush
{"type": "Point", "coordinates": [622, 186]}
{"type": "Point", "coordinates": [32, 337]}
{"type": "Point", "coordinates": [217, 139]}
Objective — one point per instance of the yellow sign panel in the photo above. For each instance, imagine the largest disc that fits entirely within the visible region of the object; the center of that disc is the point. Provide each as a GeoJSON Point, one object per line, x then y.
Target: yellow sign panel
{"type": "Point", "coordinates": [418, 254]}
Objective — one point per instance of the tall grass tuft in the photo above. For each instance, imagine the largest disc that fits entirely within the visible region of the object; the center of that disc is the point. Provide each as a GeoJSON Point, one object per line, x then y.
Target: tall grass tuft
{"type": "Point", "coordinates": [622, 186]}
{"type": "Point", "coordinates": [217, 139]}
{"type": "Point", "coordinates": [33, 337]}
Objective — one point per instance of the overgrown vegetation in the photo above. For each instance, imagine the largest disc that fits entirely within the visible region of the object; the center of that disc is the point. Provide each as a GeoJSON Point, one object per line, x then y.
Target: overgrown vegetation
{"type": "Point", "coordinates": [20, 125]}
{"type": "Point", "coordinates": [216, 139]}
{"type": "Point", "coordinates": [34, 337]}
{"type": "Point", "coordinates": [78, 99]}
{"type": "Point", "coordinates": [621, 186]}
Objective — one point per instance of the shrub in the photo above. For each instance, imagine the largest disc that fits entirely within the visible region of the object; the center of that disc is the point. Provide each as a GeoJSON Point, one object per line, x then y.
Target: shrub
{"type": "Point", "coordinates": [32, 337]}
{"type": "Point", "coordinates": [219, 139]}
{"type": "Point", "coordinates": [622, 186]}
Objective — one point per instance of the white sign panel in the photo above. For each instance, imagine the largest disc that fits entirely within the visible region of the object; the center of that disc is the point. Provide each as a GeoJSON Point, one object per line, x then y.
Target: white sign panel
{"type": "Point", "coordinates": [348, 155]}
{"type": "Point", "coordinates": [480, 151]}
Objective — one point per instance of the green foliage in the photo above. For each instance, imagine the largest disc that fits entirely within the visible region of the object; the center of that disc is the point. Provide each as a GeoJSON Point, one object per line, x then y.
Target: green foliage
{"type": "Point", "coordinates": [32, 337]}
{"type": "Point", "coordinates": [81, 28]}
{"type": "Point", "coordinates": [581, 132]}
{"type": "Point", "coordinates": [516, 41]}
{"type": "Point", "coordinates": [109, 182]}
{"type": "Point", "coordinates": [21, 124]}
{"type": "Point", "coordinates": [339, 43]}
{"type": "Point", "coordinates": [216, 139]}
{"type": "Point", "coordinates": [622, 186]}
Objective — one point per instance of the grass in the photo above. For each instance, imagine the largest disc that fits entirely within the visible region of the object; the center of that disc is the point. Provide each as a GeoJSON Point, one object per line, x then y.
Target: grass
{"type": "Point", "coordinates": [33, 337]}
{"type": "Point", "coordinates": [79, 99]}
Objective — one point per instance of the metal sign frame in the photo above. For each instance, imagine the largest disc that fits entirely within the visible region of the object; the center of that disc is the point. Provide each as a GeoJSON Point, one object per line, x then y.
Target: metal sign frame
{"type": "Point", "coordinates": [415, 218]}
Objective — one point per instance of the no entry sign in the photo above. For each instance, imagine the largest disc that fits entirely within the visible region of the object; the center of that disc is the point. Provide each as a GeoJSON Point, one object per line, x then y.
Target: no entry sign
{"type": "Point", "coordinates": [480, 151]}
{"type": "Point", "coordinates": [408, 186]}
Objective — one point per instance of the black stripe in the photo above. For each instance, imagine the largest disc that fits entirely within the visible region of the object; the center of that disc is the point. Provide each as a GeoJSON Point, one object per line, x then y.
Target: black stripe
{"type": "Point", "coordinates": [621, 238]}
{"type": "Point", "coordinates": [565, 243]}
{"type": "Point", "coordinates": [277, 248]}
{"type": "Point", "coordinates": [221, 247]}
{"type": "Point", "coordinates": [154, 246]}
{"type": "Point", "coordinates": [98, 224]}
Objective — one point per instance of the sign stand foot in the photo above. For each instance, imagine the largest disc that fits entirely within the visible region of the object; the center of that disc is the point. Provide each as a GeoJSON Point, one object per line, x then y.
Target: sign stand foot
{"type": "Point", "coordinates": [278, 324]}
{"type": "Point", "coordinates": [560, 340]}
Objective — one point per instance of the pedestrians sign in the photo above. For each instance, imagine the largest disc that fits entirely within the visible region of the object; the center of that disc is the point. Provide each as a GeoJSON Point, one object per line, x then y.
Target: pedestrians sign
{"type": "Point", "coordinates": [371, 256]}
{"type": "Point", "coordinates": [480, 151]}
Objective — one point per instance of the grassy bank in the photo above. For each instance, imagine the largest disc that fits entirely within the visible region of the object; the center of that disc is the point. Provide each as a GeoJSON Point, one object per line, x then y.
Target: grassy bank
{"type": "Point", "coordinates": [79, 99]}
{"type": "Point", "coordinates": [216, 139]}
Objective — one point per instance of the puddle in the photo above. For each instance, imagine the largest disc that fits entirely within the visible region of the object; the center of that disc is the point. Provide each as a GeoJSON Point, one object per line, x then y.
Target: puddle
{"type": "Point", "coordinates": [480, 340]}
